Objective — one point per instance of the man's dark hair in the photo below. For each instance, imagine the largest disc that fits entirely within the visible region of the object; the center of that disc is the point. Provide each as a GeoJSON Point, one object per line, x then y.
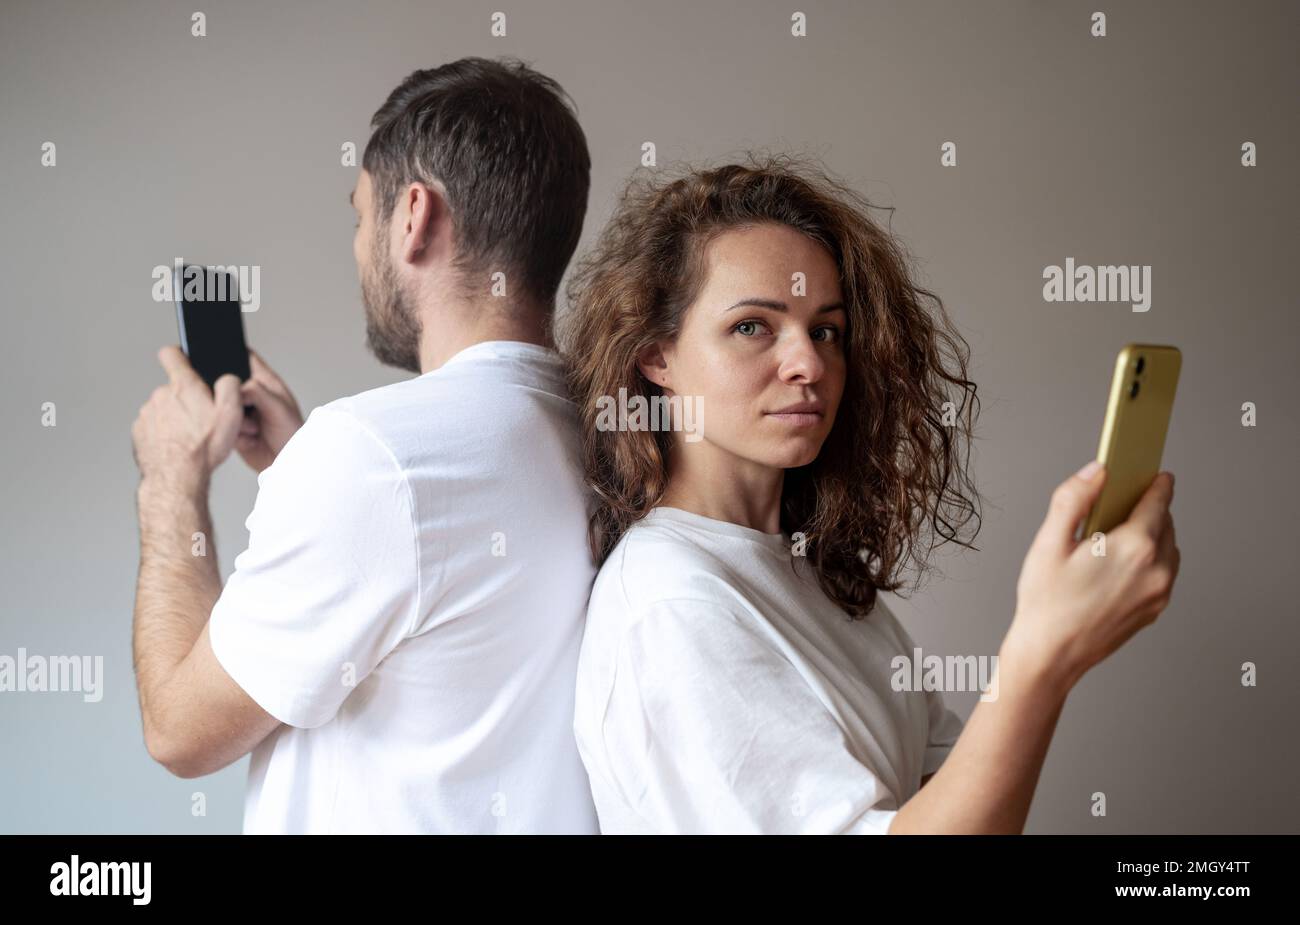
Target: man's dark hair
{"type": "Point", "coordinates": [508, 149]}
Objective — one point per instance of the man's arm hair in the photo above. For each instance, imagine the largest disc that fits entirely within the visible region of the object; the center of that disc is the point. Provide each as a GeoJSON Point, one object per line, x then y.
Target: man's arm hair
{"type": "Point", "coordinates": [196, 718]}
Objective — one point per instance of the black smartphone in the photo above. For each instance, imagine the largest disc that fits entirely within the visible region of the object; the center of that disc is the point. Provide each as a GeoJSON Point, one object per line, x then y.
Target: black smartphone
{"type": "Point", "coordinates": [211, 322]}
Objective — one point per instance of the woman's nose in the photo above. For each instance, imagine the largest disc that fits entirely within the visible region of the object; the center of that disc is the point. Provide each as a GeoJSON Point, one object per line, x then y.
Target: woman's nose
{"type": "Point", "coordinates": [800, 361]}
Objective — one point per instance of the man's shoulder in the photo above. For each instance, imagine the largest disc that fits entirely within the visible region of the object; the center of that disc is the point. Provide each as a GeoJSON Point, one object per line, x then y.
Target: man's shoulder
{"type": "Point", "coordinates": [381, 408]}
{"type": "Point", "coordinates": [332, 472]}
{"type": "Point", "coordinates": [332, 448]}
{"type": "Point", "coordinates": [452, 410]}
{"type": "Point", "coordinates": [407, 419]}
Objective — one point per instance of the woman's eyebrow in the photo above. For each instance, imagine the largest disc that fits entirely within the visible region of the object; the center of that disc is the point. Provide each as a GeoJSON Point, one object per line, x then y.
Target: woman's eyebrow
{"type": "Point", "coordinates": [781, 306]}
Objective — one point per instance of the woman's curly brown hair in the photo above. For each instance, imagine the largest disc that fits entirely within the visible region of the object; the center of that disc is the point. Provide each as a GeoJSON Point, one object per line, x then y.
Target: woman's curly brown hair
{"type": "Point", "coordinates": [889, 464]}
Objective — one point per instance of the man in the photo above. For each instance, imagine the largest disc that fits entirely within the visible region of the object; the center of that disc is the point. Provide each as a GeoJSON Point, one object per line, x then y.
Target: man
{"type": "Point", "coordinates": [397, 646]}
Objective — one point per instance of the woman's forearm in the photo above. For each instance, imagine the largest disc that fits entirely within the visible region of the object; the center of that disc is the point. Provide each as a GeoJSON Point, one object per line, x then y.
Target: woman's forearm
{"type": "Point", "coordinates": [987, 782]}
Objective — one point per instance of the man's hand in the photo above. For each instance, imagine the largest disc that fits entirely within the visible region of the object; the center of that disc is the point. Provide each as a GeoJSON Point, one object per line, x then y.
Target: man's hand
{"type": "Point", "coordinates": [277, 418]}
{"type": "Point", "coordinates": [184, 431]}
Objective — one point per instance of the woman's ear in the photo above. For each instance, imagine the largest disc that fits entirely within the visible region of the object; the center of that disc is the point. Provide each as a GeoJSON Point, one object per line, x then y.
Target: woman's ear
{"type": "Point", "coordinates": [654, 366]}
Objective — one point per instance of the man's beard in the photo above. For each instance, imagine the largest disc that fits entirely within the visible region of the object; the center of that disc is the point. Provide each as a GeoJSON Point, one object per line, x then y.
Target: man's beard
{"type": "Point", "coordinates": [392, 326]}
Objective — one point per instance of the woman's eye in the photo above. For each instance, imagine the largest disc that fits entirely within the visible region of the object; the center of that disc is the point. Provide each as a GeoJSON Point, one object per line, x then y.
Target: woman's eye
{"type": "Point", "coordinates": [832, 333]}
{"type": "Point", "coordinates": [747, 328]}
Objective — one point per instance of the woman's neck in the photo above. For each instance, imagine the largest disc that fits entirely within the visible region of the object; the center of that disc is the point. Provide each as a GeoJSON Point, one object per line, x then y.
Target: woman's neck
{"type": "Point", "coordinates": [734, 490]}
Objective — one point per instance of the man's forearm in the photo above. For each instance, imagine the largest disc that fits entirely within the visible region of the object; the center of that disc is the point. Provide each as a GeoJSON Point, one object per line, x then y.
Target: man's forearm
{"type": "Point", "coordinates": [176, 588]}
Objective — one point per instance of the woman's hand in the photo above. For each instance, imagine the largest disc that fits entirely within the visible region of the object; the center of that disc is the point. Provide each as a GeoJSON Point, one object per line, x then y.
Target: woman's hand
{"type": "Point", "coordinates": [1075, 607]}
{"type": "Point", "coordinates": [266, 430]}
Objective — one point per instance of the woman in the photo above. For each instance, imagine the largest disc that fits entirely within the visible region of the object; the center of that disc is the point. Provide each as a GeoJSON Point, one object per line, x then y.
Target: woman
{"type": "Point", "coordinates": [737, 672]}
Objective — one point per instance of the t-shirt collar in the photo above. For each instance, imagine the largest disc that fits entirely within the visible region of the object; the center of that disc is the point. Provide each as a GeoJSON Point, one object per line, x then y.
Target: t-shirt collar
{"type": "Point", "coordinates": [775, 541]}
{"type": "Point", "coordinates": [497, 349]}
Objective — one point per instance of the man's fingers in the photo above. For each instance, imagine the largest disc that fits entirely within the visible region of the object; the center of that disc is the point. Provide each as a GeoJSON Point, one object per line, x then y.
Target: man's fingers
{"type": "Point", "coordinates": [179, 370]}
{"type": "Point", "coordinates": [229, 400]}
{"type": "Point", "coordinates": [259, 395]}
{"type": "Point", "coordinates": [266, 374]}
{"type": "Point", "coordinates": [272, 408]}
{"type": "Point", "coordinates": [229, 411]}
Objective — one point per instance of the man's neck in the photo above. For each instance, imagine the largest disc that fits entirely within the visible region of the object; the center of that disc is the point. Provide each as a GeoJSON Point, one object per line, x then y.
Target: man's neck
{"type": "Point", "coordinates": [440, 344]}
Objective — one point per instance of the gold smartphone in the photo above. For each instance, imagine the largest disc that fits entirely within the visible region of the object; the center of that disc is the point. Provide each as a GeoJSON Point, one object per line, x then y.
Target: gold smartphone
{"type": "Point", "coordinates": [1133, 434]}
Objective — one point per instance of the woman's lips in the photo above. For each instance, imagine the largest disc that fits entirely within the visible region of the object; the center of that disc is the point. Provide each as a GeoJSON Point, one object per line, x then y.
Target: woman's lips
{"type": "Point", "coordinates": [797, 418]}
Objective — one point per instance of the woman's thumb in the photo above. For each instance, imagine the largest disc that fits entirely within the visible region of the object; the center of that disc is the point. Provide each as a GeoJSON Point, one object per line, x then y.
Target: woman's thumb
{"type": "Point", "coordinates": [1071, 501]}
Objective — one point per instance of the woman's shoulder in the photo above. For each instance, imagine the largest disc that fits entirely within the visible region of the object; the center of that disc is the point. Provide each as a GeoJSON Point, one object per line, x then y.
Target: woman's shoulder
{"type": "Point", "coordinates": [651, 565]}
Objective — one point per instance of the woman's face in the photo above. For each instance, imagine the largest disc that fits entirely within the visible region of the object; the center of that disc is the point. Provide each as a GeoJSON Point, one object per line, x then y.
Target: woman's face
{"type": "Point", "coordinates": [761, 348]}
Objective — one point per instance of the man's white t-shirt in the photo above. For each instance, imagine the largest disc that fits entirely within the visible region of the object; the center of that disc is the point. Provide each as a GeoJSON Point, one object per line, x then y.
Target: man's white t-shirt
{"type": "Point", "coordinates": [410, 606]}
{"type": "Point", "coordinates": [720, 691]}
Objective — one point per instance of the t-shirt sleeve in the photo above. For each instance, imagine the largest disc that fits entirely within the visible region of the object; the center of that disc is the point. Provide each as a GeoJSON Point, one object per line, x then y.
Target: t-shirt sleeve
{"type": "Point", "coordinates": [945, 725]}
{"type": "Point", "coordinates": [945, 728]}
{"type": "Point", "coordinates": [710, 730]}
{"type": "Point", "coordinates": [329, 583]}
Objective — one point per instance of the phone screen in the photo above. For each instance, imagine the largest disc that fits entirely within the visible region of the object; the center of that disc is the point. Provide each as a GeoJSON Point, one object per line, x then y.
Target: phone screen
{"type": "Point", "coordinates": [211, 323]}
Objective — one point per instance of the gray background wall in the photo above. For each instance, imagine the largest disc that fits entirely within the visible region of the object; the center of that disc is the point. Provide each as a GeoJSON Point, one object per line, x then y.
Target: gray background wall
{"type": "Point", "coordinates": [1116, 150]}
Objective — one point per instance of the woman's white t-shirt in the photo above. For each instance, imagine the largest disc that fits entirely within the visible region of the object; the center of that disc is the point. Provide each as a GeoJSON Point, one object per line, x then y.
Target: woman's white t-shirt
{"type": "Point", "coordinates": [721, 691]}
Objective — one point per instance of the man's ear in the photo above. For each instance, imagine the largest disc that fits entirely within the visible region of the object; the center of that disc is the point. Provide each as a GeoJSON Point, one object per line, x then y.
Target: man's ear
{"type": "Point", "coordinates": [426, 214]}
{"type": "Point", "coordinates": [654, 366]}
